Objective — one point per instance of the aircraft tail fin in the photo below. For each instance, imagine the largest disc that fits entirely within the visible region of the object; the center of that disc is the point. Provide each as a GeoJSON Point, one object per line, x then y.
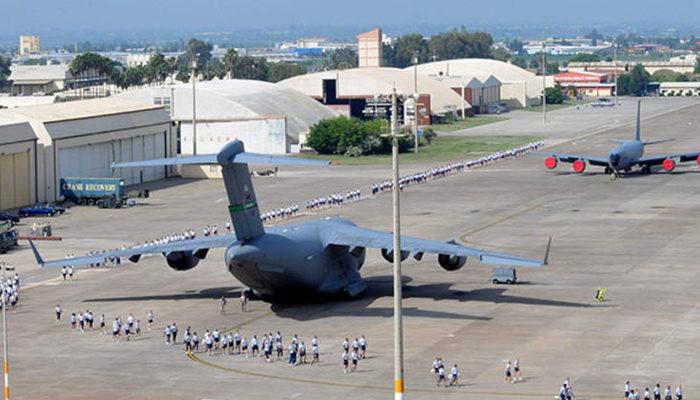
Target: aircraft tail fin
{"type": "Point", "coordinates": [234, 160]}
{"type": "Point", "coordinates": [637, 131]}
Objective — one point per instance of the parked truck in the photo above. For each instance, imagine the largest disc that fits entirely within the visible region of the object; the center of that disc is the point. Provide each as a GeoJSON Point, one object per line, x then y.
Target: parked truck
{"type": "Point", "coordinates": [8, 237]}
{"type": "Point", "coordinates": [90, 191]}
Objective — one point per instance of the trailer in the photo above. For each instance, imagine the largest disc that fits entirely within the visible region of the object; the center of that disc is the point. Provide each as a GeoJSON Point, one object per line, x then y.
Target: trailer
{"type": "Point", "coordinates": [89, 191]}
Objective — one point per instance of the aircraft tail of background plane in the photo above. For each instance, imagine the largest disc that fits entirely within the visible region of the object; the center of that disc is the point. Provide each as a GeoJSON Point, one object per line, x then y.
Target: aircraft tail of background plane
{"type": "Point", "coordinates": [243, 205]}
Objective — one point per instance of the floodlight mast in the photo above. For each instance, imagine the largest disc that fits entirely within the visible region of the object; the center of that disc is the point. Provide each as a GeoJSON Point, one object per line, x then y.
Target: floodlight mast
{"type": "Point", "coordinates": [398, 310]}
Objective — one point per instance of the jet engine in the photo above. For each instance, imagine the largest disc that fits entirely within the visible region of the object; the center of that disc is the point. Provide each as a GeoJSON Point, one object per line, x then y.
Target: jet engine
{"type": "Point", "coordinates": [579, 166]}
{"type": "Point", "coordinates": [669, 165]}
{"type": "Point", "coordinates": [450, 262]}
{"type": "Point", "coordinates": [551, 162]}
{"type": "Point", "coordinates": [182, 260]}
{"type": "Point", "coordinates": [359, 253]}
{"type": "Point", "coordinates": [389, 255]}
{"type": "Point", "coordinates": [698, 160]}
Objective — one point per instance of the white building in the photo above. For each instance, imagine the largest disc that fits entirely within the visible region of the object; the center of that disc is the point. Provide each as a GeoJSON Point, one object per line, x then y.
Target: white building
{"type": "Point", "coordinates": [267, 117]}
{"type": "Point", "coordinates": [83, 138]}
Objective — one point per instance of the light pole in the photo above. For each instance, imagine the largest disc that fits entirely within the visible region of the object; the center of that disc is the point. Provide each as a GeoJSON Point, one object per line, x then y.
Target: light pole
{"type": "Point", "coordinates": [398, 312]}
{"type": "Point", "coordinates": [194, 106]}
{"type": "Point", "coordinates": [415, 101]}
{"type": "Point", "coordinates": [5, 359]}
{"type": "Point", "coordinates": [544, 83]}
{"type": "Point", "coordinates": [615, 69]}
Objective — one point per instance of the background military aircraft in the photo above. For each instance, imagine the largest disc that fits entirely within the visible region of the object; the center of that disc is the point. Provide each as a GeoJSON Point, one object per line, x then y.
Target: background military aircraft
{"type": "Point", "coordinates": [321, 257]}
{"type": "Point", "coordinates": [622, 158]}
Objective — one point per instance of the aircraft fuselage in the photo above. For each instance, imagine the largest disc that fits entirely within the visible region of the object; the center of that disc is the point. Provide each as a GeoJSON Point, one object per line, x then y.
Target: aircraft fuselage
{"type": "Point", "coordinates": [626, 155]}
{"type": "Point", "coordinates": [293, 261]}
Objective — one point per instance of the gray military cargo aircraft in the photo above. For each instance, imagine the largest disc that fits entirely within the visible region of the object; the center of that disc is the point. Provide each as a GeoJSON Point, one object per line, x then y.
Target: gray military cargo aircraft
{"type": "Point", "coordinates": [308, 259]}
{"type": "Point", "coordinates": [622, 158]}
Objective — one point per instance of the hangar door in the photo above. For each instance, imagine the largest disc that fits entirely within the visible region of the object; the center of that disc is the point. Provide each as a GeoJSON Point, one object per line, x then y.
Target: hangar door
{"type": "Point", "coordinates": [94, 160]}
{"type": "Point", "coordinates": [14, 180]}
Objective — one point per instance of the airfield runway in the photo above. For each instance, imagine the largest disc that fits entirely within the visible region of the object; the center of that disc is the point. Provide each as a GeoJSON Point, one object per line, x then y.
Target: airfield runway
{"type": "Point", "coordinates": [637, 236]}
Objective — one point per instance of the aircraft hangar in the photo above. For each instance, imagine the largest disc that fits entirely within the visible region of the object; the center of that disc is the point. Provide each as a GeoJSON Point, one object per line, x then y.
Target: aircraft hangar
{"type": "Point", "coordinates": [82, 139]}
{"type": "Point", "coordinates": [18, 149]}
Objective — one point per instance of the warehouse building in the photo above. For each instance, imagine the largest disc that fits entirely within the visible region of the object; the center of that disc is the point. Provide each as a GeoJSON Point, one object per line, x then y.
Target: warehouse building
{"type": "Point", "coordinates": [267, 117]}
{"type": "Point", "coordinates": [479, 90]}
{"type": "Point", "coordinates": [519, 88]}
{"type": "Point", "coordinates": [18, 153]}
{"type": "Point", "coordinates": [349, 91]}
{"type": "Point", "coordinates": [83, 138]}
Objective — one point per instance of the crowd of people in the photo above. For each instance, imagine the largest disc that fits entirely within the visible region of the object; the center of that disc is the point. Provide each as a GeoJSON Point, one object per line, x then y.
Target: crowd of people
{"type": "Point", "coordinates": [10, 291]}
{"type": "Point", "coordinates": [333, 199]}
{"type": "Point", "coordinates": [449, 169]}
{"type": "Point", "coordinates": [667, 393]}
{"type": "Point", "coordinates": [267, 345]}
{"type": "Point", "coordinates": [440, 373]}
{"type": "Point", "coordinates": [82, 321]}
{"type": "Point", "coordinates": [282, 212]}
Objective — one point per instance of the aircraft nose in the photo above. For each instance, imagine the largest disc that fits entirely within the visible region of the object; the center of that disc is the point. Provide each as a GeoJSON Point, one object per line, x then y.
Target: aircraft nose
{"type": "Point", "coordinates": [614, 159]}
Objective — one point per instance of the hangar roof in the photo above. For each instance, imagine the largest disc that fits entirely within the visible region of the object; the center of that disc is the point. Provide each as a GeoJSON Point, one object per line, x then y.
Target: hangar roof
{"type": "Point", "coordinates": [505, 72]}
{"type": "Point", "coordinates": [15, 131]}
{"type": "Point", "coordinates": [239, 100]}
{"type": "Point", "coordinates": [29, 74]}
{"type": "Point", "coordinates": [85, 117]}
{"type": "Point", "coordinates": [367, 82]}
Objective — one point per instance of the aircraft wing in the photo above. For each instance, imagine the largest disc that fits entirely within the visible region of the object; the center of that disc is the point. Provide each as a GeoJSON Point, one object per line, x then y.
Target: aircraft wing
{"type": "Point", "coordinates": [658, 160]}
{"type": "Point", "coordinates": [569, 158]}
{"type": "Point", "coordinates": [353, 236]}
{"type": "Point", "coordinates": [135, 253]}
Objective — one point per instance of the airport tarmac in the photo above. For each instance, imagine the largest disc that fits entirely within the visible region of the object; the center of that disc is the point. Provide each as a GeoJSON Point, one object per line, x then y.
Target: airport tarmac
{"type": "Point", "coordinates": [636, 236]}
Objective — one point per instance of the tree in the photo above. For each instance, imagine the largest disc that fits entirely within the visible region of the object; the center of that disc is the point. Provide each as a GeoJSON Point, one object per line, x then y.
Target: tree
{"type": "Point", "coordinates": [4, 73]}
{"type": "Point", "coordinates": [248, 67]}
{"type": "Point", "coordinates": [158, 68]}
{"type": "Point", "coordinates": [585, 57]}
{"type": "Point", "coordinates": [342, 58]}
{"type": "Point", "coordinates": [333, 135]}
{"type": "Point", "coordinates": [281, 70]}
{"type": "Point", "coordinates": [196, 50]}
{"type": "Point", "coordinates": [634, 83]}
{"type": "Point", "coordinates": [133, 76]}
{"type": "Point", "coordinates": [554, 95]}
{"type": "Point", "coordinates": [93, 62]}
{"type": "Point", "coordinates": [515, 45]}
{"type": "Point", "coordinates": [501, 54]}
{"type": "Point", "coordinates": [228, 62]}
{"type": "Point", "coordinates": [407, 48]}
{"type": "Point", "coordinates": [697, 66]}
{"type": "Point", "coordinates": [459, 43]}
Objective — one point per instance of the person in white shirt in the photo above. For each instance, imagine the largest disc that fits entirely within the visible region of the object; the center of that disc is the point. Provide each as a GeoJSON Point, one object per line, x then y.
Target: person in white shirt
{"type": "Point", "coordinates": [657, 392]}
{"type": "Point", "coordinates": [667, 393]}
{"type": "Point", "coordinates": [628, 389]}
{"type": "Point", "coordinates": [508, 375]}
{"type": "Point", "coordinates": [58, 312]}
{"type": "Point", "coordinates": [516, 368]}
{"type": "Point", "coordinates": [454, 376]}
{"type": "Point", "coordinates": [679, 393]}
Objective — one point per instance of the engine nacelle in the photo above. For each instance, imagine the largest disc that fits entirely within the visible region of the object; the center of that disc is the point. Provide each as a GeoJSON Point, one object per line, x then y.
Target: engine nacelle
{"type": "Point", "coordinates": [698, 160]}
{"type": "Point", "coordinates": [579, 166]}
{"type": "Point", "coordinates": [669, 165]}
{"type": "Point", "coordinates": [359, 253]}
{"type": "Point", "coordinates": [450, 262]}
{"type": "Point", "coordinates": [551, 162]}
{"type": "Point", "coordinates": [182, 260]}
{"type": "Point", "coordinates": [389, 255]}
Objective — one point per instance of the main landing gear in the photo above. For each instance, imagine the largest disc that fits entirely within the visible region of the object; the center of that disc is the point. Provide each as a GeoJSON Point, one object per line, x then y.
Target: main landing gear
{"type": "Point", "coordinates": [614, 175]}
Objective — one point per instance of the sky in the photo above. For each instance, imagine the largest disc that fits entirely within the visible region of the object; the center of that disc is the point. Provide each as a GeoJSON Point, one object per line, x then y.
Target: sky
{"type": "Point", "coordinates": [114, 16]}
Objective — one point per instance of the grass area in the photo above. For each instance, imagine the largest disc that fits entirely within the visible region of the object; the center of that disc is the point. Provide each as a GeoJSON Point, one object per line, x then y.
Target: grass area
{"type": "Point", "coordinates": [443, 148]}
{"type": "Point", "coordinates": [553, 107]}
{"type": "Point", "coordinates": [471, 122]}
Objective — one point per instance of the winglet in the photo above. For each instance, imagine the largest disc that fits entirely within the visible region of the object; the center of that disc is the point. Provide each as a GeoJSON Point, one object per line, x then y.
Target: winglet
{"type": "Point", "coordinates": [37, 256]}
{"type": "Point", "coordinates": [545, 261]}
